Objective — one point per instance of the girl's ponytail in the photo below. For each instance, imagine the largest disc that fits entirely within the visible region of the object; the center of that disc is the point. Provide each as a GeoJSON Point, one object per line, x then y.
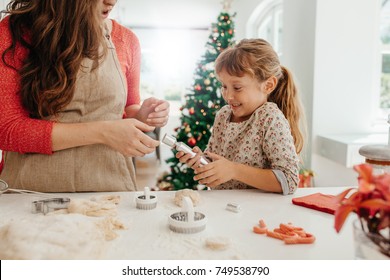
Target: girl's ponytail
{"type": "Point", "coordinates": [285, 95]}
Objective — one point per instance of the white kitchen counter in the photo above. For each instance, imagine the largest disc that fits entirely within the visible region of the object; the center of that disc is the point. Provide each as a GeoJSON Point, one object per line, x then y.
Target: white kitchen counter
{"type": "Point", "coordinates": [148, 237]}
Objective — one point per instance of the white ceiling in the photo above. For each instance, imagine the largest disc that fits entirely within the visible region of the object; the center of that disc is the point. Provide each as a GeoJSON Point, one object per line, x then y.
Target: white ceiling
{"type": "Point", "coordinates": [167, 13]}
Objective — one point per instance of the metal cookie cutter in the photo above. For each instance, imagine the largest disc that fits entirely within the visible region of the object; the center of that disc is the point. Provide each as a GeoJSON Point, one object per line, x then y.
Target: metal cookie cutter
{"type": "Point", "coordinates": [146, 201]}
{"type": "Point", "coordinates": [187, 221]}
{"type": "Point", "coordinates": [3, 186]}
{"type": "Point", "coordinates": [48, 205]}
{"type": "Point", "coordinates": [234, 207]}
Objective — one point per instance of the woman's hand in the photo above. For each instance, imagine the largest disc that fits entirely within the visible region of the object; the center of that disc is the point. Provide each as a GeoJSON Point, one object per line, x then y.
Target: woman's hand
{"type": "Point", "coordinates": [154, 112]}
{"type": "Point", "coordinates": [127, 137]}
{"type": "Point", "coordinates": [217, 172]}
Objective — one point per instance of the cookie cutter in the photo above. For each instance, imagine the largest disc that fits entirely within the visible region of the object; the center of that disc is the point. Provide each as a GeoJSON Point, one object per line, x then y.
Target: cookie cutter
{"type": "Point", "coordinates": [39, 206]}
{"type": "Point", "coordinates": [3, 186]}
{"type": "Point", "coordinates": [233, 207]}
{"type": "Point", "coordinates": [146, 201]}
{"type": "Point", "coordinates": [187, 221]}
{"type": "Point", "coordinates": [48, 205]}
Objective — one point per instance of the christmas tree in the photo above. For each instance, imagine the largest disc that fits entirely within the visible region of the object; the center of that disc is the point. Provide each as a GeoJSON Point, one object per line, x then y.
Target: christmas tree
{"type": "Point", "coordinates": [201, 103]}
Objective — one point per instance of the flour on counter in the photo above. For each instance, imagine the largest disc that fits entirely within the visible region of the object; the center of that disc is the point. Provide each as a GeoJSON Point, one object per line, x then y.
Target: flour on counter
{"type": "Point", "coordinates": [71, 236]}
{"type": "Point", "coordinates": [80, 232]}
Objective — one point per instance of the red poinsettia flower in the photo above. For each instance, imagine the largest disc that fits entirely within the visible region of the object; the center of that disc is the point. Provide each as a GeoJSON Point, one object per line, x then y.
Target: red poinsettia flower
{"type": "Point", "coordinates": [370, 201]}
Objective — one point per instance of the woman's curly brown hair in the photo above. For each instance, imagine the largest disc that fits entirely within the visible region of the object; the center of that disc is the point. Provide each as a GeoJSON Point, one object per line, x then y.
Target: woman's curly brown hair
{"type": "Point", "coordinates": [58, 34]}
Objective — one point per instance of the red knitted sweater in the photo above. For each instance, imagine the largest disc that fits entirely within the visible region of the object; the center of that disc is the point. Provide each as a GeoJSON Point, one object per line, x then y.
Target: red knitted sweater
{"type": "Point", "coordinates": [20, 133]}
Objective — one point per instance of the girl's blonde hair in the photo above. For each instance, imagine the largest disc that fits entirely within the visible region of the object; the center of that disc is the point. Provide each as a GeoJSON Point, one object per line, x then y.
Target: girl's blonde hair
{"type": "Point", "coordinates": [257, 58]}
{"type": "Point", "coordinates": [58, 34]}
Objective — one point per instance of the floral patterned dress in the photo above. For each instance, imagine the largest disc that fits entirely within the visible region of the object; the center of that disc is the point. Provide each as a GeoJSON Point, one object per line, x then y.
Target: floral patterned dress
{"type": "Point", "coordinates": [263, 141]}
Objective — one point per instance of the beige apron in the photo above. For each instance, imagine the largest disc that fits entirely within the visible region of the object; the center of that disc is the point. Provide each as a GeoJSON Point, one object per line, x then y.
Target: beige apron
{"type": "Point", "coordinates": [99, 95]}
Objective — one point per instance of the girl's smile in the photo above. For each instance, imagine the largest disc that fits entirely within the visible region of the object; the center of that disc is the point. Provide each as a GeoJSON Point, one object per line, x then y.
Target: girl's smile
{"type": "Point", "coordinates": [243, 94]}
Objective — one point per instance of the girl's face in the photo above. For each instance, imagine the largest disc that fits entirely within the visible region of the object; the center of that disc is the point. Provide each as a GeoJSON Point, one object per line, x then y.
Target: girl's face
{"type": "Point", "coordinates": [243, 94]}
{"type": "Point", "coordinates": [106, 7]}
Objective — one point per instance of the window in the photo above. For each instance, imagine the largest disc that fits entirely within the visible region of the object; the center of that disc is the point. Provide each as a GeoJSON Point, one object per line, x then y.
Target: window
{"type": "Point", "coordinates": [270, 28]}
{"type": "Point", "coordinates": [385, 77]}
{"type": "Point", "coordinates": [266, 22]}
{"type": "Point", "coordinates": [169, 57]}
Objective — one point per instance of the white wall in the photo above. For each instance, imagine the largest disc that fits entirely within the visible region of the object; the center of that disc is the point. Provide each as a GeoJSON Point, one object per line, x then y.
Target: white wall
{"type": "Point", "coordinates": [3, 3]}
{"type": "Point", "coordinates": [179, 13]}
{"type": "Point", "coordinates": [332, 47]}
{"type": "Point", "coordinates": [167, 13]}
{"type": "Point", "coordinates": [243, 9]}
{"type": "Point", "coordinates": [298, 55]}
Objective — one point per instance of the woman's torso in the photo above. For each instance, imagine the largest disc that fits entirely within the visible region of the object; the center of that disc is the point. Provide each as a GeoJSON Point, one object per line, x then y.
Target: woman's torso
{"type": "Point", "coordinates": [99, 95]}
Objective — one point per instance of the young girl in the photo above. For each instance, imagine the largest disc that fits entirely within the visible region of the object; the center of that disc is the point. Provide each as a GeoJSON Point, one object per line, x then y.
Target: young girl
{"type": "Point", "coordinates": [256, 136]}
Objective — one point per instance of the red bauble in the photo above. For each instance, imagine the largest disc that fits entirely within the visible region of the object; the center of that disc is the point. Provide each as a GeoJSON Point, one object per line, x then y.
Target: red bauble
{"type": "Point", "coordinates": [198, 87]}
{"type": "Point", "coordinates": [192, 141]}
{"type": "Point", "coordinates": [191, 111]}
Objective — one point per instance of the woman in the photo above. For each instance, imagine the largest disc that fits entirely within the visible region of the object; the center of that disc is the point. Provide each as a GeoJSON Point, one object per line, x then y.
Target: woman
{"type": "Point", "coordinates": [70, 117]}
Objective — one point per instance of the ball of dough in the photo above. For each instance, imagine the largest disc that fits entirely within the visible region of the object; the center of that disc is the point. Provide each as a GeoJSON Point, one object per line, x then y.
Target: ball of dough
{"type": "Point", "coordinates": [194, 195]}
{"type": "Point", "coordinates": [218, 243]}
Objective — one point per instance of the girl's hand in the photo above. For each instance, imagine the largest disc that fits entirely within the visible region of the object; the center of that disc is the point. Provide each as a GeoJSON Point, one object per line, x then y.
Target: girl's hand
{"type": "Point", "coordinates": [154, 112]}
{"type": "Point", "coordinates": [217, 172]}
{"type": "Point", "coordinates": [186, 158]}
{"type": "Point", "coordinates": [127, 137]}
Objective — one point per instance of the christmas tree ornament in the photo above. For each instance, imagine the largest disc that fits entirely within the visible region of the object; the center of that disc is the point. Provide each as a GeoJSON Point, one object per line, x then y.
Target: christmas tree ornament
{"type": "Point", "coordinates": [192, 141]}
{"type": "Point", "coordinates": [165, 186]}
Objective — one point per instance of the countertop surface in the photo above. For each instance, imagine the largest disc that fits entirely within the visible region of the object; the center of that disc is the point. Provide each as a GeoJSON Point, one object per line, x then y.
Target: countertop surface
{"type": "Point", "coordinates": [147, 235]}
